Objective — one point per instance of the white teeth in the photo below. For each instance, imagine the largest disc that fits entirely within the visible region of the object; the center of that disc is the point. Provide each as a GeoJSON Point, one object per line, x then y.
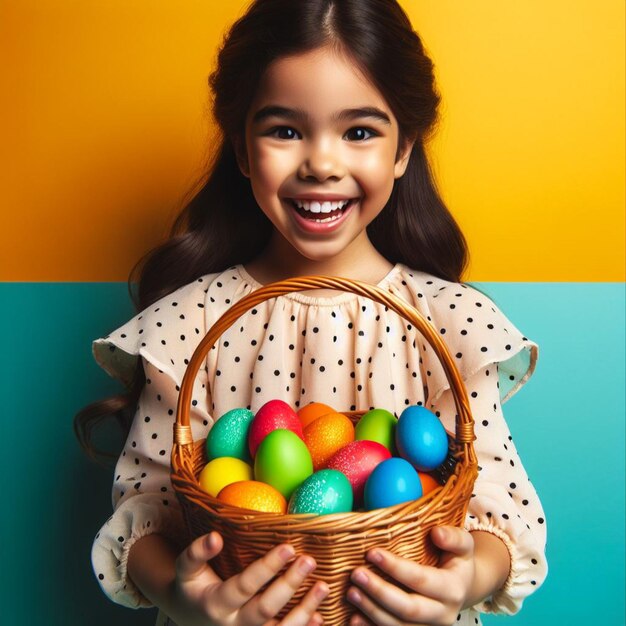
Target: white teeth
{"type": "Point", "coordinates": [320, 207]}
{"type": "Point", "coordinates": [328, 219]}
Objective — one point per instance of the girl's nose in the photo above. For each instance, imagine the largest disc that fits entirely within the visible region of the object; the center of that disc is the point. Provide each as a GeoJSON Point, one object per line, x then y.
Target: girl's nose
{"type": "Point", "coordinates": [321, 163]}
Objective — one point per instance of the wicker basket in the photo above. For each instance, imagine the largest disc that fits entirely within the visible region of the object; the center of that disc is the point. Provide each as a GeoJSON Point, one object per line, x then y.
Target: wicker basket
{"type": "Point", "coordinates": [337, 542]}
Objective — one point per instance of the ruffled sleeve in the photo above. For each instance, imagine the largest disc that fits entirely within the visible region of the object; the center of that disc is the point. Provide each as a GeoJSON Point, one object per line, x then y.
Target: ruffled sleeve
{"type": "Point", "coordinates": [164, 337]}
{"type": "Point", "coordinates": [495, 360]}
{"type": "Point", "coordinates": [477, 334]}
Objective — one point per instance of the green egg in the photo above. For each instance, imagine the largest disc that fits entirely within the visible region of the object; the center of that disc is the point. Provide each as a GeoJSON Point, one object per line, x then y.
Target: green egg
{"type": "Point", "coordinates": [229, 436]}
{"type": "Point", "coordinates": [378, 425]}
{"type": "Point", "coordinates": [325, 492]}
{"type": "Point", "coordinates": [283, 461]}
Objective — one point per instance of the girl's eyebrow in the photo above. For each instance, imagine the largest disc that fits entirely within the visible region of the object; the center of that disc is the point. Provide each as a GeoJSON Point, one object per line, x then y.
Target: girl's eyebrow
{"type": "Point", "coordinates": [300, 115]}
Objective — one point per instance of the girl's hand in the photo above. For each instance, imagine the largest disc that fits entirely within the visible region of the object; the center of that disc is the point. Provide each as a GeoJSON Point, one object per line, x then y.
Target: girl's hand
{"type": "Point", "coordinates": [440, 592]}
{"type": "Point", "coordinates": [204, 599]}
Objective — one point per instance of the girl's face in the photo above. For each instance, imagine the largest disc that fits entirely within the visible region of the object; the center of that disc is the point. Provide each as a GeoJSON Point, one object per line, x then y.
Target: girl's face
{"type": "Point", "coordinates": [318, 135]}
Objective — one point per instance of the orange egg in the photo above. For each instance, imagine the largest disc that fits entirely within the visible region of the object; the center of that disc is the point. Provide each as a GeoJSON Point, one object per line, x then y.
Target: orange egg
{"type": "Point", "coordinates": [311, 412]}
{"type": "Point", "coordinates": [254, 495]}
{"type": "Point", "coordinates": [428, 483]}
{"type": "Point", "coordinates": [327, 435]}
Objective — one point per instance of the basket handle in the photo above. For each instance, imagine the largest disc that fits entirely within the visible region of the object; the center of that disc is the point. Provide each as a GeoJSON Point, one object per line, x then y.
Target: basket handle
{"type": "Point", "coordinates": [464, 423]}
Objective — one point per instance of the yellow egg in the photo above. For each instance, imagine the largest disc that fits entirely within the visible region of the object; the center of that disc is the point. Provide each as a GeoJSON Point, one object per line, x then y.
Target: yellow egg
{"type": "Point", "coordinates": [310, 412]}
{"type": "Point", "coordinates": [223, 471]}
{"type": "Point", "coordinates": [327, 435]}
{"type": "Point", "coordinates": [254, 495]}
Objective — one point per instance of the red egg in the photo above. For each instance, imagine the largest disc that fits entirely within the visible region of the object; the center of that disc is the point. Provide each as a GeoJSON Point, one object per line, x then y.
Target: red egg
{"type": "Point", "coordinates": [357, 460]}
{"type": "Point", "coordinates": [271, 416]}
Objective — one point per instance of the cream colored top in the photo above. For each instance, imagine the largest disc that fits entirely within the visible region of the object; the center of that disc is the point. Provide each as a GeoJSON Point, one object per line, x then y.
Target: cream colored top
{"type": "Point", "coordinates": [344, 350]}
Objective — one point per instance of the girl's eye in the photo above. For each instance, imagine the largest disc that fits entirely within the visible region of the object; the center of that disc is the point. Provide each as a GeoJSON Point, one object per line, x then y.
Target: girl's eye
{"type": "Point", "coordinates": [358, 133]}
{"type": "Point", "coordinates": [275, 132]}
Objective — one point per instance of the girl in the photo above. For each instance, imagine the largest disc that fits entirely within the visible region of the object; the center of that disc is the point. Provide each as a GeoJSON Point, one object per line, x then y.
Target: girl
{"type": "Point", "coordinates": [325, 108]}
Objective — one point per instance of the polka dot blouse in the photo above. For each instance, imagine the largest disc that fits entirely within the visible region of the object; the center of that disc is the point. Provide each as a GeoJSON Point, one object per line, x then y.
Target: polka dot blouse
{"type": "Point", "coordinates": [344, 350]}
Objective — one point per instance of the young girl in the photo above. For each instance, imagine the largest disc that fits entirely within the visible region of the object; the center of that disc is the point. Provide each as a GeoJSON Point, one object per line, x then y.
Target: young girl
{"type": "Point", "coordinates": [325, 107]}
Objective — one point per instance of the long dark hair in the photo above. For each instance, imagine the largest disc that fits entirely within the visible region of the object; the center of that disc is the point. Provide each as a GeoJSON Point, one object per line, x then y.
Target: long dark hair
{"type": "Point", "coordinates": [414, 228]}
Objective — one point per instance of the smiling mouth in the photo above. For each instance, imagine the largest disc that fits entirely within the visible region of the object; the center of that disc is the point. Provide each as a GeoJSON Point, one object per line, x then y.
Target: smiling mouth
{"type": "Point", "coordinates": [320, 215]}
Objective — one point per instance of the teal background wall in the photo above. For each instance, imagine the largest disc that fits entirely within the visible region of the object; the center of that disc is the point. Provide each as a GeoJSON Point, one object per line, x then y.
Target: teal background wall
{"type": "Point", "coordinates": [568, 424]}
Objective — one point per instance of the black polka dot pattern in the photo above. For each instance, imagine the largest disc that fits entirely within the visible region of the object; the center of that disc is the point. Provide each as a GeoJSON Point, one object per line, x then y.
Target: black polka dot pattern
{"type": "Point", "coordinates": [344, 350]}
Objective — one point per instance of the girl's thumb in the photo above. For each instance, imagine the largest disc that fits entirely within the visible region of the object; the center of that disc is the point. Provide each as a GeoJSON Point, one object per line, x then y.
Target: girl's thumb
{"type": "Point", "coordinates": [193, 559]}
{"type": "Point", "coordinates": [452, 539]}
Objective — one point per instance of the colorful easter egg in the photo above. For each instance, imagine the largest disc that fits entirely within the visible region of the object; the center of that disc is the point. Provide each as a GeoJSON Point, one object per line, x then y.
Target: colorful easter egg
{"type": "Point", "coordinates": [357, 460]}
{"type": "Point", "coordinates": [327, 435]}
{"type": "Point", "coordinates": [271, 416]}
{"type": "Point", "coordinates": [325, 492]}
{"type": "Point", "coordinates": [421, 438]}
{"type": "Point", "coordinates": [254, 495]}
{"type": "Point", "coordinates": [378, 425]}
{"type": "Point", "coordinates": [221, 472]}
{"type": "Point", "coordinates": [229, 435]}
{"type": "Point", "coordinates": [392, 482]}
{"type": "Point", "coordinates": [310, 412]}
{"type": "Point", "coordinates": [428, 483]}
{"type": "Point", "coordinates": [283, 461]}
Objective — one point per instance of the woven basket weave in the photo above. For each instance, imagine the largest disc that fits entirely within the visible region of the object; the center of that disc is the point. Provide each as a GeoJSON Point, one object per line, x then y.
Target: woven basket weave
{"type": "Point", "coordinates": [337, 542]}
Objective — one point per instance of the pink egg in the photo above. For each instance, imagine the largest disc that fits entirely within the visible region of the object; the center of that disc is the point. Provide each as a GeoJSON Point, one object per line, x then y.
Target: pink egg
{"type": "Point", "coordinates": [357, 460]}
{"type": "Point", "coordinates": [271, 416]}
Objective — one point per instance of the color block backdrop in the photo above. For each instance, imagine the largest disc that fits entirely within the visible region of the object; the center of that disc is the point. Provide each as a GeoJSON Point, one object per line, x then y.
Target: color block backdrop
{"type": "Point", "coordinates": [106, 126]}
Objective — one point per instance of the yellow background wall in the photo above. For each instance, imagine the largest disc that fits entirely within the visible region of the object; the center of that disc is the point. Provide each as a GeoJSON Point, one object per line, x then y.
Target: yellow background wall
{"type": "Point", "coordinates": [105, 127]}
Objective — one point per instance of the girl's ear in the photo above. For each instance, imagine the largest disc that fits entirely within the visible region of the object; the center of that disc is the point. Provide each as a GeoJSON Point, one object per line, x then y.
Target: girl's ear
{"type": "Point", "coordinates": [239, 146]}
{"type": "Point", "coordinates": [403, 158]}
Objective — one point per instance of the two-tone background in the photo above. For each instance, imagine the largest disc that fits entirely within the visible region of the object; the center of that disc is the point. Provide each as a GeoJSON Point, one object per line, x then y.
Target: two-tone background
{"type": "Point", "coordinates": [105, 126]}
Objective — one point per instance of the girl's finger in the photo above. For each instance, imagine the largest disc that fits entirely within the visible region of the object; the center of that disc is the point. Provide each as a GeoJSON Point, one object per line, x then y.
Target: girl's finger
{"type": "Point", "coordinates": [387, 595]}
{"type": "Point", "coordinates": [423, 579]}
{"type": "Point", "coordinates": [274, 598]}
{"type": "Point", "coordinates": [305, 613]}
{"type": "Point", "coordinates": [192, 561]}
{"type": "Point", "coordinates": [425, 611]}
{"type": "Point", "coordinates": [239, 589]}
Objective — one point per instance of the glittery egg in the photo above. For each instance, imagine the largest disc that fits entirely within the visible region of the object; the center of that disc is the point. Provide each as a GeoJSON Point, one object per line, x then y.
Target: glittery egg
{"type": "Point", "coordinates": [357, 460]}
{"type": "Point", "coordinates": [254, 495]}
{"type": "Point", "coordinates": [378, 425]}
{"type": "Point", "coordinates": [428, 483]}
{"type": "Point", "coordinates": [283, 461]}
{"type": "Point", "coordinates": [421, 438]}
{"type": "Point", "coordinates": [310, 412]}
{"type": "Point", "coordinates": [271, 416]}
{"type": "Point", "coordinates": [392, 482]}
{"type": "Point", "coordinates": [229, 435]}
{"type": "Point", "coordinates": [325, 492]}
{"type": "Point", "coordinates": [221, 472]}
{"type": "Point", "coordinates": [326, 436]}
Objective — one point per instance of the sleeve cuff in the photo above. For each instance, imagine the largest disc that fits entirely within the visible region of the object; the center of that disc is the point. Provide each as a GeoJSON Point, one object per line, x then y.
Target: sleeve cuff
{"type": "Point", "coordinates": [136, 517]}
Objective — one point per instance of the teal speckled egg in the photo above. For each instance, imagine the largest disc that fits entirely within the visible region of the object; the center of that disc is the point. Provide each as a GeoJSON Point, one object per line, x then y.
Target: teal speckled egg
{"type": "Point", "coordinates": [325, 492]}
{"type": "Point", "coordinates": [229, 436]}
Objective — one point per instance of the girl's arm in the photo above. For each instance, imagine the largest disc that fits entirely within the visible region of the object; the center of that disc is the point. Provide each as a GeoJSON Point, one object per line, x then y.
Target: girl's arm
{"type": "Point", "coordinates": [492, 564]}
{"type": "Point", "coordinates": [152, 568]}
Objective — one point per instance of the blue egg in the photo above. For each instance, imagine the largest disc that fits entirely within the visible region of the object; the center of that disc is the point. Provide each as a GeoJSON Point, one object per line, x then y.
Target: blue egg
{"type": "Point", "coordinates": [391, 482]}
{"type": "Point", "coordinates": [421, 438]}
